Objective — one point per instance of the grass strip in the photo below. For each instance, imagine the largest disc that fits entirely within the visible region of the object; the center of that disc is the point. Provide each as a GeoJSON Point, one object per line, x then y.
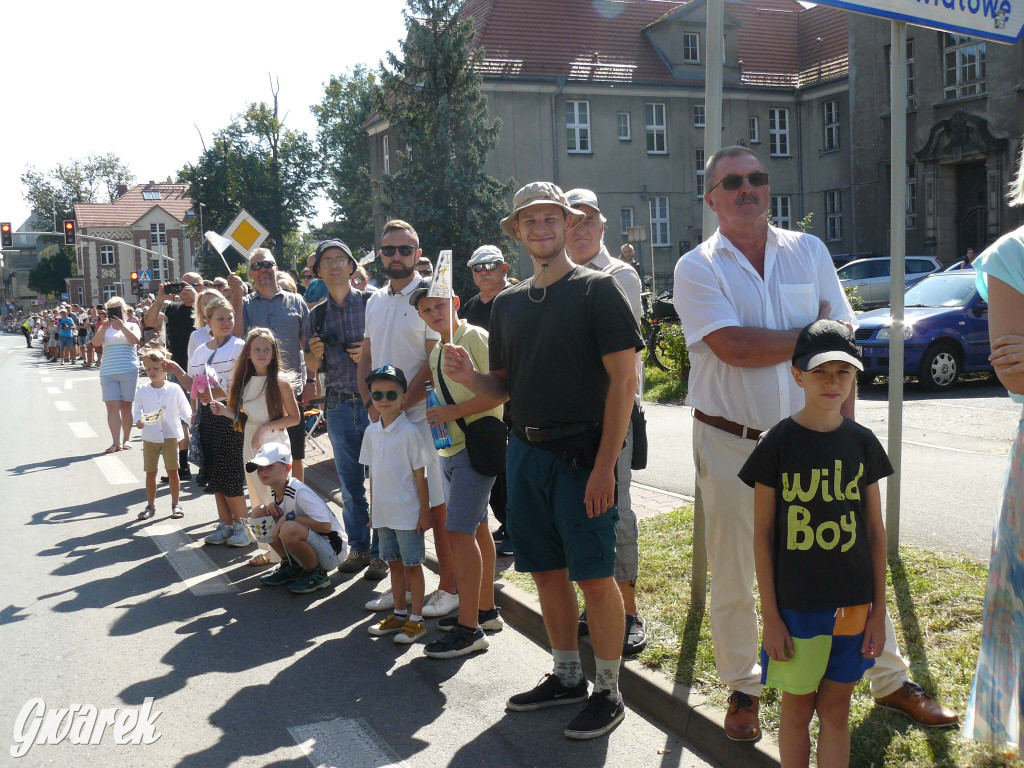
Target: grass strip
{"type": "Point", "coordinates": [935, 602]}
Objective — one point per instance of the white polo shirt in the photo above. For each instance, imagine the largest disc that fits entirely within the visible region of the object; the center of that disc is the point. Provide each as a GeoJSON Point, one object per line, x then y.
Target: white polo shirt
{"type": "Point", "coordinates": [716, 287]}
{"type": "Point", "coordinates": [624, 275]}
{"type": "Point", "coordinates": [398, 336]}
{"type": "Point", "coordinates": [393, 454]}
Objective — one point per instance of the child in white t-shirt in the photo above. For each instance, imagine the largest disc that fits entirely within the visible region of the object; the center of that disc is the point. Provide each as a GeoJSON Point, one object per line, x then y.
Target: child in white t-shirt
{"type": "Point", "coordinates": [397, 455]}
{"type": "Point", "coordinates": [158, 411]}
{"type": "Point", "coordinates": [307, 534]}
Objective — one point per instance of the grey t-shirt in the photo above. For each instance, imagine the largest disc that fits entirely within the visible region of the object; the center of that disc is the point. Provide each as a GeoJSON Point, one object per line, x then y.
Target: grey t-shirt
{"type": "Point", "coordinates": [287, 316]}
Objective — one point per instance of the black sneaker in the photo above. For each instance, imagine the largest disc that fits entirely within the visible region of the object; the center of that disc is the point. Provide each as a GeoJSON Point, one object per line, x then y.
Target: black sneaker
{"type": "Point", "coordinates": [601, 714]}
{"type": "Point", "coordinates": [459, 642]}
{"type": "Point", "coordinates": [549, 693]}
{"type": "Point", "coordinates": [636, 636]}
{"type": "Point", "coordinates": [582, 629]}
{"type": "Point", "coordinates": [504, 547]}
{"type": "Point", "coordinates": [499, 534]}
{"type": "Point", "coordinates": [489, 621]}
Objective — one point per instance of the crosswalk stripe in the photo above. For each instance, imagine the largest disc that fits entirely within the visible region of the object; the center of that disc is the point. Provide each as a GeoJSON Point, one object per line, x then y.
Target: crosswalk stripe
{"type": "Point", "coordinates": [81, 429]}
{"type": "Point", "coordinates": [62, 405]}
{"type": "Point", "coordinates": [46, 380]}
{"type": "Point", "coordinates": [345, 742]}
{"type": "Point", "coordinates": [114, 470]}
{"type": "Point", "coordinates": [197, 571]}
{"type": "Point", "coordinates": [53, 390]}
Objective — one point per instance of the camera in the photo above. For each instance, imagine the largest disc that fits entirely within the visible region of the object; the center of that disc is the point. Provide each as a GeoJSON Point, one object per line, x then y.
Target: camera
{"type": "Point", "coordinates": [329, 339]}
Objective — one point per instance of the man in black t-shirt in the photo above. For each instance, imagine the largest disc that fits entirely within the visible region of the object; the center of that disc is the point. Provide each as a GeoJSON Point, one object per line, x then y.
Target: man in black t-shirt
{"type": "Point", "coordinates": [562, 347]}
{"type": "Point", "coordinates": [490, 273]}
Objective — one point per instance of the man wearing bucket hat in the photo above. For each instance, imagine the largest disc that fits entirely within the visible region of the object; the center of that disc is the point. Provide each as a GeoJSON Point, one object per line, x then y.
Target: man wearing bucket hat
{"type": "Point", "coordinates": [562, 347]}
{"type": "Point", "coordinates": [586, 247]}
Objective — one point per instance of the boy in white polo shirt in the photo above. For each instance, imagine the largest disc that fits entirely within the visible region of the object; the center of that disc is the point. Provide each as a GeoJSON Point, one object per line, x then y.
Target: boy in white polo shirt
{"type": "Point", "coordinates": [397, 454]}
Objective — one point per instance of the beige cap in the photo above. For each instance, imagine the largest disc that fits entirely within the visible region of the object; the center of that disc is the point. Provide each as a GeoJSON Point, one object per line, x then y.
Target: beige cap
{"type": "Point", "coordinates": [538, 193]}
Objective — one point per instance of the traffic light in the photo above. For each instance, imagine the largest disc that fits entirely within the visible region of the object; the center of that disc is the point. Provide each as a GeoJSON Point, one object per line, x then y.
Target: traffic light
{"type": "Point", "coordinates": [135, 283]}
{"type": "Point", "coordinates": [6, 235]}
{"type": "Point", "coordinates": [69, 232]}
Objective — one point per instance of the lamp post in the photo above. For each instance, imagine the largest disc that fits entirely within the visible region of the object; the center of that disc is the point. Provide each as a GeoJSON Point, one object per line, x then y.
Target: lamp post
{"type": "Point", "coordinates": [202, 232]}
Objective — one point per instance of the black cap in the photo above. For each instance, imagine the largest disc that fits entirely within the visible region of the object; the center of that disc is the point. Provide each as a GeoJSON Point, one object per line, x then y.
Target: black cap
{"type": "Point", "coordinates": [388, 373]}
{"type": "Point", "coordinates": [334, 242]}
{"type": "Point", "coordinates": [825, 340]}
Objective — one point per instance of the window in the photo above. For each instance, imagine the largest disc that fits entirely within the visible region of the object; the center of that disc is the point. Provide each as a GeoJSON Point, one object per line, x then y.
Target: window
{"type": "Point", "coordinates": [159, 268]}
{"type": "Point", "coordinates": [778, 132]}
{"type": "Point", "coordinates": [659, 221]}
{"type": "Point", "coordinates": [963, 64]}
{"type": "Point", "coordinates": [755, 131]}
{"type": "Point", "coordinates": [106, 255]}
{"type": "Point", "coordinates": [81, 297]}
{"type": "Point", "coordinates": [624, 134]}
{"type": "Point", "coordinates": [911, 101]}
{"type": "Point", "coordinates": [157, 234]}
{"type": "Point", "coordinates": [151, 194]}
{"type": "Point", "coordinates": [831, 118]}
{"type": "Point", "coordinates": [699, 162]}
{"type": "Point", "coordinates": [691, 48]}
{"type": "Point", "coordinates": [655, 114]}
{"type": "Point", "coordinates": [577, 125]}
{"type": "Point", "coordinates": [698, 115]}
{"type": "Point", "coordinates": [911, 218]}
{"type": "Point", "coordinates": [917, 266]}
{"type": "Point", "coordinates": [109, 292]}
{"type": "Point", "coordinates": [386, 147]}
{"type": "Point", "coordinates": [780, 212]}
{"type": "Point", "coordinates": [626, 214]}
{"type": "Point", "coordinates": [834, 214]}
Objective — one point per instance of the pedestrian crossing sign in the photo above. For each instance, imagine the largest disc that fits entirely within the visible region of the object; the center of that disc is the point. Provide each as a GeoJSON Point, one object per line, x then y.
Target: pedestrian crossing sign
{"type": "Point", "coordinates": [145, 276]}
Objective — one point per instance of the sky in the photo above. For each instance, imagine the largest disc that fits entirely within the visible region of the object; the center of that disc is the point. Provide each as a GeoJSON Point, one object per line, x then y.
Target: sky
{"type": "Point", "coordinates": [133, 79]}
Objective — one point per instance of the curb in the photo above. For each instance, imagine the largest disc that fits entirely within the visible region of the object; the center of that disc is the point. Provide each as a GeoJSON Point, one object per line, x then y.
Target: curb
{"type": "Point", "coordinates": [651, 693]}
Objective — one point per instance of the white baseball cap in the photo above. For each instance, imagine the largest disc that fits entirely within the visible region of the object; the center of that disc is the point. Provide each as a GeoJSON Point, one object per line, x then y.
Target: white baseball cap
{"type": "Point", "coordinates": [270, 453]}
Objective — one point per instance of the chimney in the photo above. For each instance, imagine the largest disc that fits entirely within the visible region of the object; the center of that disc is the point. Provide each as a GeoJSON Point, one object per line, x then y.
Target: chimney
{"type": "Point", "coordinates": [122, 190]}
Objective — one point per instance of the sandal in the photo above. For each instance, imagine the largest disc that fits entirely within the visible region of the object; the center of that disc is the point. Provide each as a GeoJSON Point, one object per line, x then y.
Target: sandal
{"type": "Point", "coordinates": [177, 512]}
{"type": "Point", "coordinates": [147, 513]}
{"type": "Point", "coordinates": [113, 449]}
{"type": "Point", "coordinates": [126, 447]}
{"type": "Point", "coordinates": [260, 560]}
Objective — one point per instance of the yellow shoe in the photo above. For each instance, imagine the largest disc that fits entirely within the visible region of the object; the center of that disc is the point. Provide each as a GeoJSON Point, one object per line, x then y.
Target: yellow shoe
{"type": "Point", "coordinates": [389, 626]}
{"type": "Point", "coordinates": [411, 632]}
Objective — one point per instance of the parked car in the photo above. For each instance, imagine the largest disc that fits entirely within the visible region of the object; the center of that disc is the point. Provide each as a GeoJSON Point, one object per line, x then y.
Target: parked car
{"type": "Point", "coordinates": [945, 332]}
{"type": "Point", "coordinates": [842, 259]}
{"type": "Point", "coordinates": [871, 276]}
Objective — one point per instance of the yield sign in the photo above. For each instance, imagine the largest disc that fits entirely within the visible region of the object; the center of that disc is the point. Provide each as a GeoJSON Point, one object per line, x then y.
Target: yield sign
{"type": "Point", "coordinates": [996, 20]}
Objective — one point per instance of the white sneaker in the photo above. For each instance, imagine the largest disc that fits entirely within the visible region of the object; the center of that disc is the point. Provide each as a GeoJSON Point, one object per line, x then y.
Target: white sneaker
{"type": "Point", "coordinates": [441, 603]}
{"type": "Point", "coordinates": [238, 537]}
{"type": "Point", "coordinates": [220, 535]}
{"type": "Point", "coordinates": [386, 601]}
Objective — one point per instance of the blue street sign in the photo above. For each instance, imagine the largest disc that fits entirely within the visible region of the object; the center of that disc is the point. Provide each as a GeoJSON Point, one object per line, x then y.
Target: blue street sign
{"type": "Point", "coordinates": [995, 20]}
{"type": "Point", "coordinates": [145, 276]}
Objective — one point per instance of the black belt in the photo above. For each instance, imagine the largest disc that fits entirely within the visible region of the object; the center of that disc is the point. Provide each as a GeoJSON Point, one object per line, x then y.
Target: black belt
{"type": "Point", "coordinates": [345, 397]}
{"type": "Point", "coordinates": [547, 434]}
{"type": "Point", "coordinates": [727, 426]}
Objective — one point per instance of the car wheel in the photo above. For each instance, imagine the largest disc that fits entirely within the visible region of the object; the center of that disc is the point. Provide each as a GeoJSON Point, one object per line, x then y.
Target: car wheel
{"type": "Point", "coordinates": [865, 379]}
{"type": "Point", "coordinates": [940, 368]}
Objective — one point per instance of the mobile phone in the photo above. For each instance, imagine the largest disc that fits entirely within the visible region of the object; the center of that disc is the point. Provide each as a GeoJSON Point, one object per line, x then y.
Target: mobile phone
{"type": "Point", "coordinates": [172, 288]}
{"type": "Point", "coordinates": [115, 312]}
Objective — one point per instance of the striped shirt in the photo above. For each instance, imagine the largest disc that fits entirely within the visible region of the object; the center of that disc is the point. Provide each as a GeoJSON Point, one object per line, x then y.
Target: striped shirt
{"type": "Point", "coordinates": [222, 361]}
{"type": "Point", "coordinates": [119, 356]}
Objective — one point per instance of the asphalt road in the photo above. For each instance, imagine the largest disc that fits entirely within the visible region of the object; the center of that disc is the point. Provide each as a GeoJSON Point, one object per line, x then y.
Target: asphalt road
{"type": "Point", "coordinates": [100, 609]}
{"type": "Point", "coordinates": [955, 450]}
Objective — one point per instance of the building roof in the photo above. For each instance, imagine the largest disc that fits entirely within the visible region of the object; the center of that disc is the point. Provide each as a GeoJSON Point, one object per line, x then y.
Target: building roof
{"type": "Point", "coordinates": [607, 40]}
{"type": "Point", "coordinates": [132, 206]}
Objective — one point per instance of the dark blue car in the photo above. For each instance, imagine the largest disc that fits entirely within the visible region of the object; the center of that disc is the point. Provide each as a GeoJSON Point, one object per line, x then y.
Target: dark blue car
{"type": "Point", "coordinates": [945, 333]}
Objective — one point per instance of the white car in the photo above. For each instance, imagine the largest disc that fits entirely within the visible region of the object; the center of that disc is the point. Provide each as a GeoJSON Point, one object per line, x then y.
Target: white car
{"type": "Point", "coordinates": [871, 276]}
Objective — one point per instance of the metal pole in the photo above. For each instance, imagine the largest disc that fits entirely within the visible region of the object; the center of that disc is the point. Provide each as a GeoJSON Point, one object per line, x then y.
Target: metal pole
{"type": "Point", "coordinates": [897, 280]}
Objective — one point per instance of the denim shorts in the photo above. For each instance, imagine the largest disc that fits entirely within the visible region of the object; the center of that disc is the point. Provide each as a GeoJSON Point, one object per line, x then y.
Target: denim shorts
{"type": "Point", "coordinates": [66, 343]}
{"type": "Point", "coordinates": [119, 386]}
{"type": "Point", "coordinates": [404, 545]}
{"type": "Point", "coordinates": [326, 557]}
{"type": "Point", "coordinates": [466, 492]}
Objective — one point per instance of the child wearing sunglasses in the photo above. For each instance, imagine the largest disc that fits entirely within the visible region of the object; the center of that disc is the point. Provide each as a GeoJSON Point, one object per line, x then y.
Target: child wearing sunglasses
{"type": "Point", "coordinates": [395, 451]}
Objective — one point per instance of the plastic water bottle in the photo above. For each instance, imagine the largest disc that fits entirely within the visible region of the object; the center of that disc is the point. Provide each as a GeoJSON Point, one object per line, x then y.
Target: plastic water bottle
{"type": "Point", "coordinates": [440, 432]}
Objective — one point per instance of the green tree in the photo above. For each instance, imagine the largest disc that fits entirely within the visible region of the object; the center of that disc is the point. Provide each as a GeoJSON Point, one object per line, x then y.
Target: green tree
{"type": "Point", "coordinates": [48, 276]}
{"type": "Point", "coordinates": [52, 194]}
{"type": "Point", "coordinates": [258, 164]}
{"type": "Point", "coordinates": [434, 103]}
{"type": "Point", "coordinates": [344, 145]}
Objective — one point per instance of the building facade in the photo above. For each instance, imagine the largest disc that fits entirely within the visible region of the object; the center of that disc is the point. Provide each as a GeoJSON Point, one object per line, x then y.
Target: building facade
{"type": "Point", "coordinates": [148, 216]}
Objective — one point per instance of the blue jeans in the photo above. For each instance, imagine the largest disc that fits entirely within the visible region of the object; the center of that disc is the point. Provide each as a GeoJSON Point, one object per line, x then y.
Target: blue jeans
{"type": "Point", "coordinates": [346, 423]}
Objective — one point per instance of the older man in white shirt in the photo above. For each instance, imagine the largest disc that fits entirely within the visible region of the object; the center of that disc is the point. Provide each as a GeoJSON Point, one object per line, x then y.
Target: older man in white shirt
{"type": "Point", "coordinates": [742, 297]}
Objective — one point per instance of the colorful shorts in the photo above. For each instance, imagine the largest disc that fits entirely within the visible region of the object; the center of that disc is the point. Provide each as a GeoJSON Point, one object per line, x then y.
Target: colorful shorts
{"type": "Point", "coordinates": [826, 646]}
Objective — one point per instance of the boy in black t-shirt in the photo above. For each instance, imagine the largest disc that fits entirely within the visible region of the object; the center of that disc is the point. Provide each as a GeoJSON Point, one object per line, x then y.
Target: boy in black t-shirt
{"type": "Point", "coordinates": [819, 549]}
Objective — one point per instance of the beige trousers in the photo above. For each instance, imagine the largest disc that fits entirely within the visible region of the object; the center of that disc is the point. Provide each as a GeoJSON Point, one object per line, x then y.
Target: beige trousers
{"type": "Point", "coordinates": [729, 525]}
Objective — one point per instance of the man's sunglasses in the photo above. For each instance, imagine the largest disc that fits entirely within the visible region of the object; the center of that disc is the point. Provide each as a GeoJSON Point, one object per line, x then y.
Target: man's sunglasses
{"type": "Point", "coordinates": [256, 266]}
{"type": "Point", "coordinates": [306, 276]}
{"type": "Point", "coordinates": [734, 181]}
{"type": "Point", "coordinates": [380, 394]}
{"type": "Point", "coordinates": [488, 267]}
{"type": "Point", "coordinates": [405, 250]}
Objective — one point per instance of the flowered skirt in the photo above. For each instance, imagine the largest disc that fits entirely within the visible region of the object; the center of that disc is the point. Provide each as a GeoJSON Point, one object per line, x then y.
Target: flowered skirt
{"type": "Point", "coordinates": [994, 711]}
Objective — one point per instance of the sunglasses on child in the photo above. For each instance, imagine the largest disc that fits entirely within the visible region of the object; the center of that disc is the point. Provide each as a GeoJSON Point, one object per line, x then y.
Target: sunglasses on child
{"type": "Point", "coordinates": [488, 267]}
{"type": "Point", "coordinates": [256, 266]}
{"type": "Point", "coordinates": [734, 181]}
{"type": "Point", "coordinates": [380, 394]}
{"type": "Point", "coordinates": [405, 250]}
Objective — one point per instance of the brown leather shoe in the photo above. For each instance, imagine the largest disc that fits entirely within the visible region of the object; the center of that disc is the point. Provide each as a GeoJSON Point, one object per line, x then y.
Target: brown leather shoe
{"type": "Point", "coordinates": [912, 701]}
{"type": "Point", "coordinates": [741, 721]}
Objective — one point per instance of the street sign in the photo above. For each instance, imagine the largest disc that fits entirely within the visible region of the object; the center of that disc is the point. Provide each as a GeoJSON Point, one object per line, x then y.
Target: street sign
{"type": "Point", "coordinates": [145, 276]}
{"type": "Point", "coordinates": [246, 233]}
{"type": "Point", "coordinates": [994, 20]}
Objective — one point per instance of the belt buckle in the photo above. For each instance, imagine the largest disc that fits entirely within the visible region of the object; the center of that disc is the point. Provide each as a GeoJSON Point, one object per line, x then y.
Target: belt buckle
{"type": "Point", "coordinates": [530, 432]}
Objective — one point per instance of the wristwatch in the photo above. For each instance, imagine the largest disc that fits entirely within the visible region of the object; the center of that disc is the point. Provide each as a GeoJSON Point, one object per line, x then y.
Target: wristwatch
{"type": "Point", "coordinates": [311, 381]}
{"type": "Point", "coordinates": [290, 516]}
